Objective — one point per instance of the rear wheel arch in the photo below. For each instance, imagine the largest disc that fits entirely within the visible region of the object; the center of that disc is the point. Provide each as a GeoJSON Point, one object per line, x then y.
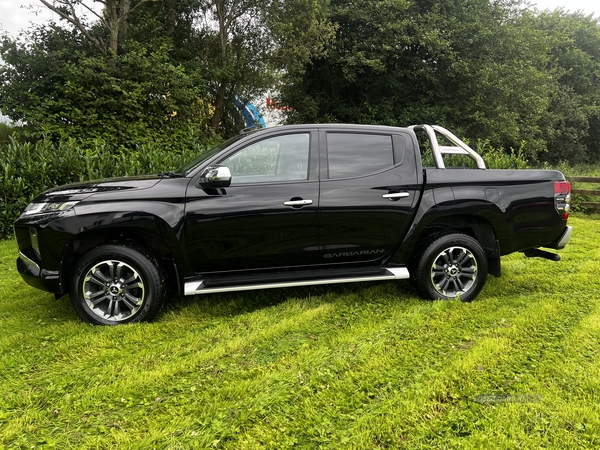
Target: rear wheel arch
{"type": "Point", "coordinates": [449, 265]}
{"type": "Point", "coordinates": [477, 227]}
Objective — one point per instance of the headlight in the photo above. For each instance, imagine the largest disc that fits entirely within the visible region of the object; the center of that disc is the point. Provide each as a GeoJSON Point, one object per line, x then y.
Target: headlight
{"type": "Point", "coordinates": [44, 208]}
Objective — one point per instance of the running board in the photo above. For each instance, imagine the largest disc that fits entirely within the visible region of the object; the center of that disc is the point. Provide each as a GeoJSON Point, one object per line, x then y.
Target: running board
{"type": "Point", "coordinates": [390, 273]}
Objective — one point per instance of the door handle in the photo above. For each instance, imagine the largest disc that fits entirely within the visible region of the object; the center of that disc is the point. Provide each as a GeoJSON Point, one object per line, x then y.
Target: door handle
{"type": "Point", "coordinates": [396, 195]}
{"type": "Point", "coordinates": [298, 203]}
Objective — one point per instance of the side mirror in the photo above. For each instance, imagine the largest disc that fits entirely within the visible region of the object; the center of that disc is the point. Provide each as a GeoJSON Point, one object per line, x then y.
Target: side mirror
{"type": "Point", "coordinates": [213, 177]}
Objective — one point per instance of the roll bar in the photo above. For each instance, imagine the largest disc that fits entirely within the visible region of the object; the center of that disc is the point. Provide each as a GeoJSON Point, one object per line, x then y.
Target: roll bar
{"type": "Point", "coordinates": [438, 150]}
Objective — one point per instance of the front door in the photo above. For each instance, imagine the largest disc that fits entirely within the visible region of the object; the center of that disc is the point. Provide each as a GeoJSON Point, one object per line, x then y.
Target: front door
{"type": "Point", "coordinates": [267, 218]}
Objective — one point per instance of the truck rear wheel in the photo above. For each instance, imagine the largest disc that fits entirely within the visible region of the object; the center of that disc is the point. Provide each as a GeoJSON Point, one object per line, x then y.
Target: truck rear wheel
{"type": "Point", "coordinates": [116, 284]}
{"type": "Point", "coordinates": [450, 266]}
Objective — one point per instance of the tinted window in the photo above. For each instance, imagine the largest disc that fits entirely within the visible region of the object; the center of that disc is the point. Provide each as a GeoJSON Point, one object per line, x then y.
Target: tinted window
{"type": "Point", "coordinates": [352, 154]}
{"type": "Point", "coordinates": [281, 158]}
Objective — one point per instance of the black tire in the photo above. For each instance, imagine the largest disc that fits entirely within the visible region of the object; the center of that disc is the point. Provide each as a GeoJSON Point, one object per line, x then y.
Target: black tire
{"type": "Point", "coordinates": [450, 266]}
{"type": "Point", "coordinates": [117, 284]}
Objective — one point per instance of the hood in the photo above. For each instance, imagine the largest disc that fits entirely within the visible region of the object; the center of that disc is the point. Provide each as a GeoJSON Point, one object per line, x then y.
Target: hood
{"type": "Point", "coordinates": [80, 191]}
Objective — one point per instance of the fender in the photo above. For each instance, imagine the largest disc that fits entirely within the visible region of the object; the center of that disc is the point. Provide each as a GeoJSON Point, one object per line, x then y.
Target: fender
{"type": "Point", "coordinates": [481, 219]}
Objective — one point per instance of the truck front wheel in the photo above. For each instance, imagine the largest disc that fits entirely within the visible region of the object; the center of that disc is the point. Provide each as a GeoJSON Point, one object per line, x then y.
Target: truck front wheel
{"type": "Point", "coordinates": [450, 266]}
{"type": "Point", "coordinates": [115, 284]}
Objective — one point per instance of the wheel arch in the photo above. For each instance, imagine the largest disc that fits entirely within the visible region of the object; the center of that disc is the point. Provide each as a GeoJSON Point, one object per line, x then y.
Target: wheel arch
{"type": "Point", "coordinates": [477, 226]}
{"type": "Point", "coordinates": [149, 240]}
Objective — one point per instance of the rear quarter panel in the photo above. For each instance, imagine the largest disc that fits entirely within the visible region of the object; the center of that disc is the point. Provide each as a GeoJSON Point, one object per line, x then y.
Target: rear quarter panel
{"type": "Point", "coordinates": [517, 204]}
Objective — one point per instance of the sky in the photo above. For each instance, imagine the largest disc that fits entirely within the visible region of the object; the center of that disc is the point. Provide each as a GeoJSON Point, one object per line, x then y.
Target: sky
{"type": "Point", "coordinates": [15, 16]}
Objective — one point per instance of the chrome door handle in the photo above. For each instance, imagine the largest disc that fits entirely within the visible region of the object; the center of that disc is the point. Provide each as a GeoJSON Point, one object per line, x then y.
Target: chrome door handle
{"type": "Point", "coordinates": [396, 195]}
{"type": "Point", "coordinates": [297, 203]}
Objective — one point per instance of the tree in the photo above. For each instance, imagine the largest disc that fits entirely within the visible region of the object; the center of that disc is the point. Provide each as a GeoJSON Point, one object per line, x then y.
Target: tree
{"type": "Point", "coordinates": [114, 19]}
{"type": "Point", "coordinates": [114, 78]}
{"type": "Point", "coordinates": [249, 43]}
{"type": "Point", "coordinates": [145, 67]}
{"type": "Point", "coordinates": [566, 128]}
{"type": "Point", "coordinates": [478, 67]}
{"type": "Point", "coordinates": [59, 86]}
{"type": "Point", "coordinates": [573, 120]}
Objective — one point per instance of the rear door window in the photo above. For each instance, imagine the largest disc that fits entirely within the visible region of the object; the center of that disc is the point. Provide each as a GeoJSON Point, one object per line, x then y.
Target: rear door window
{"type": "Point", "coordinates": [354, 154]}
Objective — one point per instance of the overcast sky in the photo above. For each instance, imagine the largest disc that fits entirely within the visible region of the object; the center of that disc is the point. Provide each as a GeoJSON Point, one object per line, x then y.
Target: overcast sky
{"type": "Point", "coordinates": [15, 16]}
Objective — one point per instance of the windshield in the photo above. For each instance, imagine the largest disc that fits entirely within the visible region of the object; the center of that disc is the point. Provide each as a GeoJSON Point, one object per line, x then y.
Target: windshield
{"type": "Point", "coordinates": [190, 166]}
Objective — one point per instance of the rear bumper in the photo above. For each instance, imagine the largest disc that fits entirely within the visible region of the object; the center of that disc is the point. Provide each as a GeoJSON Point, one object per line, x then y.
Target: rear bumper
{"type": "Point", "coordinates": [563, 240]}
{"type": "Point", "coordinates": [33, 275]}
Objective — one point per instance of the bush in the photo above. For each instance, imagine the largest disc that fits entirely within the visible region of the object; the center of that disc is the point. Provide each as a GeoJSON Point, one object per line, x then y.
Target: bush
{"type": "Point", "coordinates": [495, 158]}
{"type": "Point", "coordinates": [26, 168]}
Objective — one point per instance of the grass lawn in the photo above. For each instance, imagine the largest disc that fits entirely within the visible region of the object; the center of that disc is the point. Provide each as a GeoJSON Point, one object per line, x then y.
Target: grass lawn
{"type": "Point", "coordinates": [362, 366]}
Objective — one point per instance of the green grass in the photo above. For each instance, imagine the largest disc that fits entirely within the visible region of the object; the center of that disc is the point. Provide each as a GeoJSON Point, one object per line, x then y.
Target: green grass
{"type": "Point", "coordinates": [363, 366]}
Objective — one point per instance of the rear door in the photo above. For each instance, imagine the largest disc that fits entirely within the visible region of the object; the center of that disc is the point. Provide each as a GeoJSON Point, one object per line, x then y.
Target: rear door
{"type": "Point", "coordinates": [368, 194]}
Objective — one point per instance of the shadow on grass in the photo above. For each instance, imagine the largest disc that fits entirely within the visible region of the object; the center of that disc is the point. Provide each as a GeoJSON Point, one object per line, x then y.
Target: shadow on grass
{"type": "Point", "coordinates": [230, 304]}
{"type": "Point", "coordinates": [236, 303]}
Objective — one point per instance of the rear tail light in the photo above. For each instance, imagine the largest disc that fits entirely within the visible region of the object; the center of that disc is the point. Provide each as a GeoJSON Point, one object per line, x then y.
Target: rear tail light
{"type": "Point", "coordinates": [562, 198]}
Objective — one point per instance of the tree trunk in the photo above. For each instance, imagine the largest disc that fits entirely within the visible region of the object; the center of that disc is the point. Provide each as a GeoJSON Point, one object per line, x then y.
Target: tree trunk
{"type": "Point", "coordinates": [124, 9]}
{"type": "Point", "coordinates": [115, 20]}
{"type": "Point", "coordinates": [171, 18]}
{"type": "Point", "coordinates": [113, 31]}
{"type": "Point", "coordinates": [219, 107]}
{"type": "Point", "coordinates": [223, 35]}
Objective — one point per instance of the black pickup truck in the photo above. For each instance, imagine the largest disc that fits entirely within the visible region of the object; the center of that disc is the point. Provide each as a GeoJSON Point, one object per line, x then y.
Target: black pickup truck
{"type": "Point", "coordinates": [290, 206]}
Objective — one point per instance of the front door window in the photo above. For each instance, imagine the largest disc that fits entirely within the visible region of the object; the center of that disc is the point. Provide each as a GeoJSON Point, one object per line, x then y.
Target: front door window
{"type": "Point", "coordinates": [281, 158]}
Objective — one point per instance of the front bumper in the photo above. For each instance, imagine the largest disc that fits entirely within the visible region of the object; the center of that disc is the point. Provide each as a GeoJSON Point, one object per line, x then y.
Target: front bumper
{"type": "Point", "coordinates": [33, 275]}
{"type": "Point", "coordinates": [42, 239]}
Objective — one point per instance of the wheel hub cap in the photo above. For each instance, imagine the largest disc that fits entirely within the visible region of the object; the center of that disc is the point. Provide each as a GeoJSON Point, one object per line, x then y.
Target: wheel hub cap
{"type": "Point", "coordinates": [113, 290]}
{"type": "Point", "coordinates": [454, 271]}
{"type": "Point", "coordinates": [451, 271]}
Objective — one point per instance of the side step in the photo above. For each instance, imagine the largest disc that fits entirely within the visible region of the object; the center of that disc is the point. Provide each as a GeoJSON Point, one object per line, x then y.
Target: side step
{"type": "Point", "coordinates": [388, 273]}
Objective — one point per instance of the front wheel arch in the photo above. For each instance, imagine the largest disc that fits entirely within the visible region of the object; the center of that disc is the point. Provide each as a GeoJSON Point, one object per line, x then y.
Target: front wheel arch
{"type": "Point", "coordinates": [148, 241]}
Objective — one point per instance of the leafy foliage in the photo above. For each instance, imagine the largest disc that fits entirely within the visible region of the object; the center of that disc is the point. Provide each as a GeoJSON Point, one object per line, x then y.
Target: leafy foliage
{"type": "Point", "coordinates": [438, 62]}
{"type": "Point", "coordinates": [148, 68]}
{"type": "Point", "coordinates": [495, 158]}
{"type": "Point", "coordinates": [58, 87]}
{"type": "Point", "coordinates": [6, 131]}
{"type": "Point", "coordinates": [573, 120]}
{"type": "Point", "coordinates": [490, 70]}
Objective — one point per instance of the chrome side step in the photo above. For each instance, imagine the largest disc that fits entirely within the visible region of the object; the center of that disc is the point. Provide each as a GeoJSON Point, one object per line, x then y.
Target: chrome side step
{"type": "Point", "coordinates": [391, 273]}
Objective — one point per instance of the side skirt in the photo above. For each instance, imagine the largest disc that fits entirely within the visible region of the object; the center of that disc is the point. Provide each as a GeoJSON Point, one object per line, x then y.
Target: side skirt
{"type": "Point", "coordinates": [386, 273]}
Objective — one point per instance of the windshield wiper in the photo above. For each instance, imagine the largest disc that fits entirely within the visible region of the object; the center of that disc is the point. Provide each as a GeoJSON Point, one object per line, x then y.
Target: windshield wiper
{"type": "Point", "coordinates": [170, 174]}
